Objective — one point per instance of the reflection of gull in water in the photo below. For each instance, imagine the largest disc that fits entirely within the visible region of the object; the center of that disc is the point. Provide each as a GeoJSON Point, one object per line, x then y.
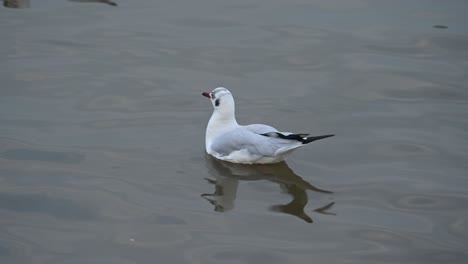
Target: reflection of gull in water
{"type": "Point", "coordinates": [109, 2]}
{"type": "Point", "coordinates": [227, 176]}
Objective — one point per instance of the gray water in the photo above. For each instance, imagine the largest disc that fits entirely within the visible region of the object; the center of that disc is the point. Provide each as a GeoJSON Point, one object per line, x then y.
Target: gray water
{"type": "Point", "coordinates": [102, 132]}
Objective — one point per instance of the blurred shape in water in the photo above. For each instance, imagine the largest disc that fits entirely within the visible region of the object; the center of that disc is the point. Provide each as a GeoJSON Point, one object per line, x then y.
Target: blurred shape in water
{"type": "Point", "coordinates": [109, 2]}
{"type": "Point", "coordinates": [16, 3]}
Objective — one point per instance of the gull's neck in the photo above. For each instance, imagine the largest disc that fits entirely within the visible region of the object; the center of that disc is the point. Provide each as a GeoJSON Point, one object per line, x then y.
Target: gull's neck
{"type": "Point", "coordinates": [222, 120]}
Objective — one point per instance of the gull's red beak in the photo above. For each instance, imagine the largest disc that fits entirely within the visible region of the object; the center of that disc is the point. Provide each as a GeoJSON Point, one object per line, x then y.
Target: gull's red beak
{"type": "Point", "coordinates": [206, 94]}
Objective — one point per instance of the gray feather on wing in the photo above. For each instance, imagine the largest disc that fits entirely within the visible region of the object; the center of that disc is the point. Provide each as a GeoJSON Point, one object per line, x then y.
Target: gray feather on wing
{"type": "Point", "coordinates": [250, 139]}
{"type": "Point", "coordinates": [260, 129]}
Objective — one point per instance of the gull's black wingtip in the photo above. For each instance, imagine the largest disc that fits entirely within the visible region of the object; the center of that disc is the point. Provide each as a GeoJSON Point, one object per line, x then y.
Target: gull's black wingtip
{"type": "Point", "coordinates": [303, 138]}
{"type": "Point", "coordinates": [307, 140]}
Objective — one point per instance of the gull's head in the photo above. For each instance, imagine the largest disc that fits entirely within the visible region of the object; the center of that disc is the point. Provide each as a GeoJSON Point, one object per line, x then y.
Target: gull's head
{"type": "Point", "coordinates": [221, 99]}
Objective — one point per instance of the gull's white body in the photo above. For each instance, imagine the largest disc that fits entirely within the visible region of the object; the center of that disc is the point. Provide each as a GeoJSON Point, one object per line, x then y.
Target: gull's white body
{"type": "Point", "coordinates": [226, 140]}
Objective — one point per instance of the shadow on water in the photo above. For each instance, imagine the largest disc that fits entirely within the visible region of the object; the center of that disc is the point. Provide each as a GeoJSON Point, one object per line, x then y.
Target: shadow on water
{"type": "Point", "coordinates": [227, 176]}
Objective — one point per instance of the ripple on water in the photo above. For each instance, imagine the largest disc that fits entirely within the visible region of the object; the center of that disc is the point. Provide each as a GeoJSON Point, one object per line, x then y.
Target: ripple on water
{"type": "Point", "coordinates": [234, 254]}
{"type": "Point", "coordinates": [312, 34]}
{"type": "Point", "coordinates": [26, 154]}
{"type": "Point", "coordinates": [453, 43]}
{"type": "Point", "coordinates": [381, 240]}
{"type": "Point", "coordinates": [247, 256]}
{"type": "Point", "coordinates": [402, 78]}
{"type": "Point", "coordinates": [398, 248]}
{"type": "Point", "coordinates": [52, 237]}
{"type": "Point", "coordinates": [169, 220]}
{"type": "Point", "coordinates": [400, 149]}
{"type": "Point", "coordinates": [122, 123]}
{"type": "Point", "coordinates": [160, 235]}
{"type": "Point", "coordinates": [459, 118]}
{"type": "Point", "coordinates": [446, 257]}
{"type": "Point", "coordinates": [459, 227]}
{"type": "Point", "coordinates": [14, 251]}
{"type": "Point", "coordinates": [433, 202]}
{"type": "Point", "coordinates": [423, 46]}
{"type": "Point", "coordinates": [378, 86]}
{"type": "Point", "coordinates": [205, 23]}
{"type": "Point", "coordinates": [431, 92]}
{"type": "Point", "coordinates": [48, 205]}
{"type": "Point", "coordinates": [93, 260]}
{"type": "Point", "coordinates": [108, 103]}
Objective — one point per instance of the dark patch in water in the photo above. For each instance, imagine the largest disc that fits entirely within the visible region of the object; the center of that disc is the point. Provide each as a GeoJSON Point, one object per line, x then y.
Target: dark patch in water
{"type": "Point", "coordinates": [16, 3]}
{"type": "Point", "coordinates": [112, 3]}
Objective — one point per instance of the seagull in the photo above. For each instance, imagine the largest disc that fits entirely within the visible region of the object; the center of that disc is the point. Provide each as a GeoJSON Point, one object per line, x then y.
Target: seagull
{"type": "Point", "coordinates": [226, 140]}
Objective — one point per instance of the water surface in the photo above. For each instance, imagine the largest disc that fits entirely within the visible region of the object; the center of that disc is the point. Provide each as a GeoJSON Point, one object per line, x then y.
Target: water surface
{"type": "Point", "coordinates": [102, 132]}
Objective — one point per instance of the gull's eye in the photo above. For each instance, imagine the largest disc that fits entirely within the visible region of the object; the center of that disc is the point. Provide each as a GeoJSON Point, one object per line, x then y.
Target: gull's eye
{"type": "Point", "coordinates": [212, 95]}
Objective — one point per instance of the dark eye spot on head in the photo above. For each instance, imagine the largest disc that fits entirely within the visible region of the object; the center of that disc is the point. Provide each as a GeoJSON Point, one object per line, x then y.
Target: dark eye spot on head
{"type": "Point", "coordinates": [217, 102]}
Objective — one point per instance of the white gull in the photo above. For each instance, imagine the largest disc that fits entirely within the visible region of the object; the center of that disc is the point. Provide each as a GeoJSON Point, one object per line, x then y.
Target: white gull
{"type": "Point", "coordinates": [226, 140]}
